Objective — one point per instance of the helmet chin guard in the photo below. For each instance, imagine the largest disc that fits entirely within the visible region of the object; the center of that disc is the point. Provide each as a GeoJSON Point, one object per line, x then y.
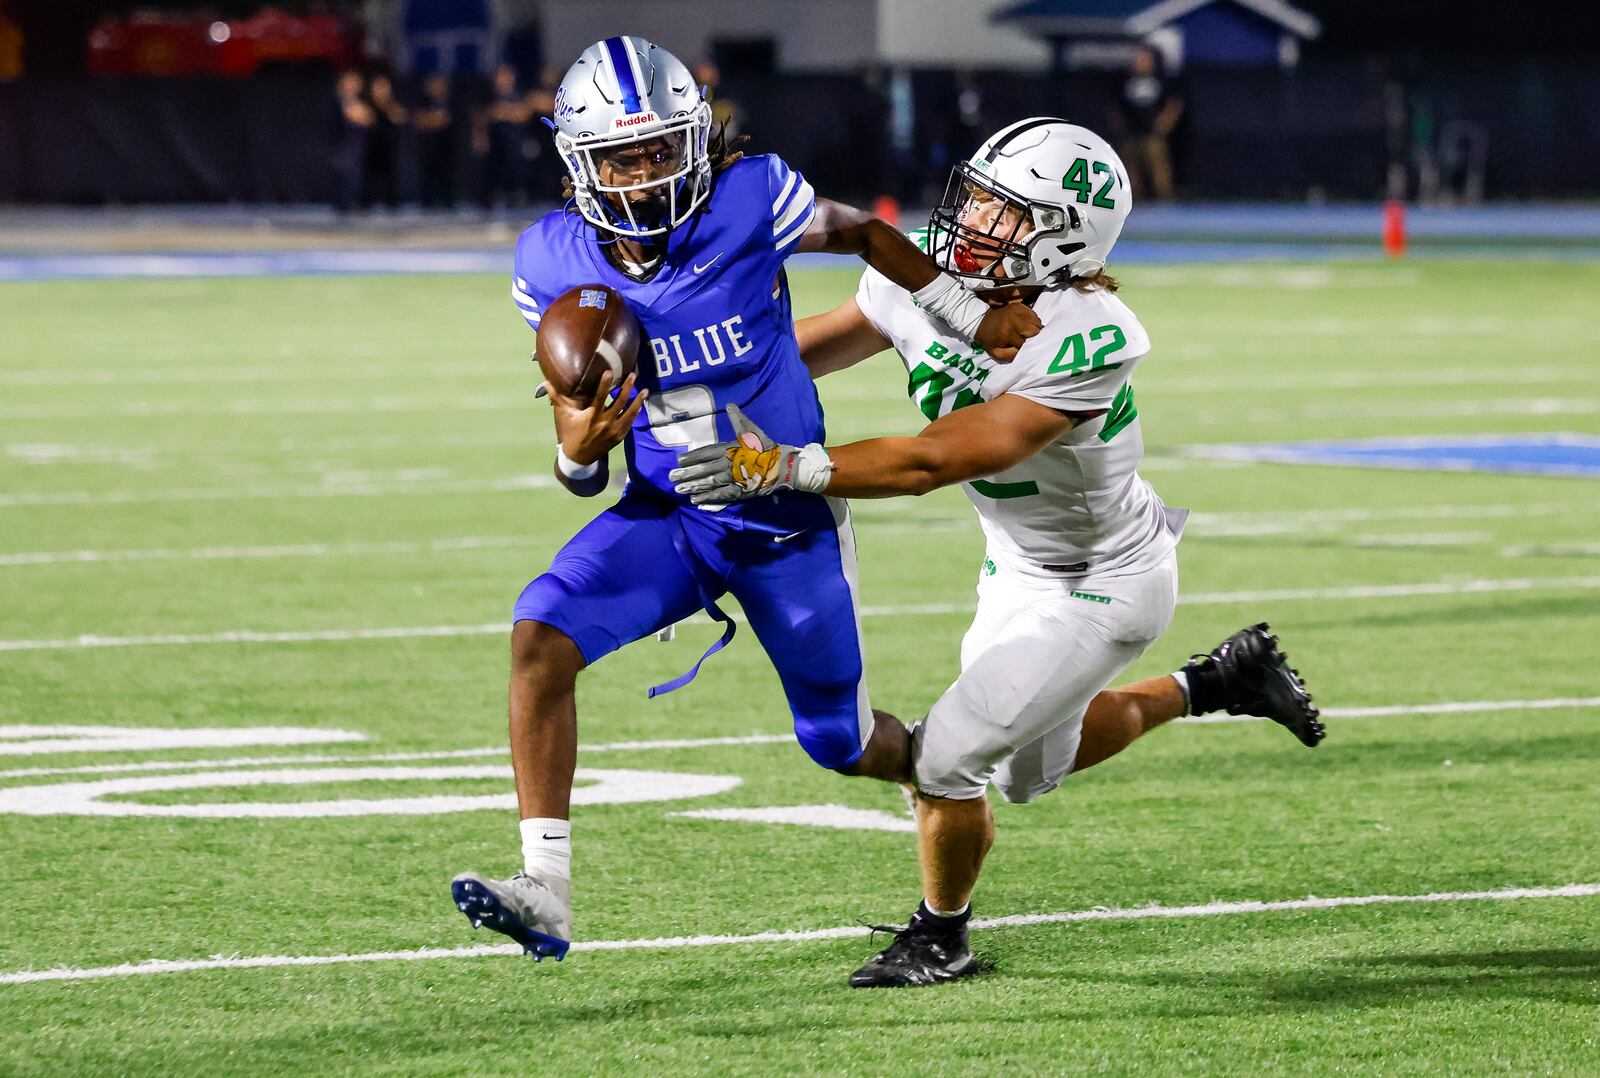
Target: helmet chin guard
{"type": "Point", "coordinates": [1064, 195]}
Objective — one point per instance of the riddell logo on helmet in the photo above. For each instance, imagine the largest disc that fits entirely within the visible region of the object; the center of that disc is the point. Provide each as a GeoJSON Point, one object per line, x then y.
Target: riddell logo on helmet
{"type": "Point", "coordinates": [634, 121]}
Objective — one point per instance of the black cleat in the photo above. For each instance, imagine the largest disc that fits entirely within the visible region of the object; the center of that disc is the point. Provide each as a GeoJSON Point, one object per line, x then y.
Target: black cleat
{"type": "Point", "coordinates": [919, 955]}
{"type": "Point", "coordinates": [1246, 674]}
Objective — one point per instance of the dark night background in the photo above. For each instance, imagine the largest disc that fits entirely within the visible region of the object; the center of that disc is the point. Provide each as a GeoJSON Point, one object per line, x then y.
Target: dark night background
{"type": "Point", "coordinates": [1383, 84]}
{"type": "Point", "coordinates": [56, 29]}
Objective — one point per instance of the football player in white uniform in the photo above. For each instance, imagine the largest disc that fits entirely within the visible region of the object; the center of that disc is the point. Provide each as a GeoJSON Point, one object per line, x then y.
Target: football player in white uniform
{"type": "Point", "coordinates": [1081, 569]}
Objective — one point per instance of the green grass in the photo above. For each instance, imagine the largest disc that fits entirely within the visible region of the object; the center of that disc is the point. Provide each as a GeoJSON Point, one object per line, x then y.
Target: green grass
{"type": "Point", "coordinates": [174, 416]}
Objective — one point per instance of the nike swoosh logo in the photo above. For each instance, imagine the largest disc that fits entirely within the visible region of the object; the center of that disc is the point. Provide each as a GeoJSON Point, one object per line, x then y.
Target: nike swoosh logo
{"type": "Point", "coordinates": [791, 535]}
{"type": "Point", "coordinates": [551, 838]}
{"type": "Point", "coordinates": [708, 265]}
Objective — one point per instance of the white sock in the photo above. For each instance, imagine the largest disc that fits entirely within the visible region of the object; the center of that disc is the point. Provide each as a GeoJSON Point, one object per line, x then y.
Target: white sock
{"type": "Point", "coordinates": [965, 906]}
{"type": "Point", "coordinates": [547, 848]}
{"type": "Point", "coordinates": [1183, 686]}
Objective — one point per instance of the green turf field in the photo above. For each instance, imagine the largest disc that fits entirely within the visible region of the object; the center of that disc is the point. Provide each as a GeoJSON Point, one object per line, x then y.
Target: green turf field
{"type": "Point", "coordinates": [309, 462]}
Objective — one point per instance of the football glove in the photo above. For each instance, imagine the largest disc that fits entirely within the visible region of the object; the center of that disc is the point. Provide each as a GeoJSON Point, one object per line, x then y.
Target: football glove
{"type": "Point", "coordinates": [750, 466]}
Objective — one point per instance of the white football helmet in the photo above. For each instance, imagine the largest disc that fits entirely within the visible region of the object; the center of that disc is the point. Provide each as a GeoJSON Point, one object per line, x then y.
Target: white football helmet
{"type": "Point", "coordinates": [1042, 201]}
{"type": "Point", "coordinates": [632, 128]}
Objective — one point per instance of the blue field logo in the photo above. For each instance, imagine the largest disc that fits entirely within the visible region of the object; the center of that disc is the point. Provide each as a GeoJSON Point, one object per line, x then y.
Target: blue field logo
{"type": "Point", "coordinates": [1557, 454]}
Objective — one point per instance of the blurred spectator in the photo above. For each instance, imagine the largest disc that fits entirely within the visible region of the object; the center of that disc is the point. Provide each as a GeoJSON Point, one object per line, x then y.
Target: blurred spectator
{"type": "Point", "coordinates": [502, 135]}
{"type": "Point", "coordinates": [907, 170]}
{"type": "Point", "coordinates": [10, 47]}
{"type": "Point", "coordinates": [969, 110]}
{"type": "Point", "coordinates": [866, 124]}
{"type": "Point", "coordinates": [545, 169]}
{"type": "Point", "coordinates": [725, 113]}
{"type": "Point", "coordinates": [1147, 114]}
{"type": "Point", "coordinates": [543, 98]}
{"type": "Point", "coordinates": [356, 118]}
{"type": "Point", "coordinates": [384, 143]}
{"type": "Point", "coordinates": [435, 129]}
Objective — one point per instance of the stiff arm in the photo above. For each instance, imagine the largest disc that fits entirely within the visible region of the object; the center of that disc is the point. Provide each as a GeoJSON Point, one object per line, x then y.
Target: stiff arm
{"type": "Point", "coordinates": [839, 229]}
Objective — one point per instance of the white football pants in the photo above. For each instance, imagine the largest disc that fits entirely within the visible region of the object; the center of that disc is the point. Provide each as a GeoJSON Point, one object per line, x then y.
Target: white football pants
{"type": "Point", "coordinates": [1040, 647]}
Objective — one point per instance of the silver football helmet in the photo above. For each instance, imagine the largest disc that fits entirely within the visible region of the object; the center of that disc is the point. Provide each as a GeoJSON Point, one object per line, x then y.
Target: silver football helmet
{"type": "Point", "coordinates": [633, 128]}
{"type": "Point", "coordinates": [1041, 202]}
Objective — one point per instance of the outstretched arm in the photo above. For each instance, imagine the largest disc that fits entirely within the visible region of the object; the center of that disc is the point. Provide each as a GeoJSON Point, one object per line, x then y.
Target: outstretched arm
{"type": "Point", "coordinates": [968, 444]}
{"type": "Point", "coordinates": [838, 229]}
{"type": "Point", "coordinates": [838, 339]}
{"type": "Point", "coordinates": [844, 230]}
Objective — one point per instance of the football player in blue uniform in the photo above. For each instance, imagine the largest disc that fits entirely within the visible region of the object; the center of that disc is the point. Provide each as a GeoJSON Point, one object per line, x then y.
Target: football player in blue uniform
{"type": "Point", "coordinates": [694, 235]}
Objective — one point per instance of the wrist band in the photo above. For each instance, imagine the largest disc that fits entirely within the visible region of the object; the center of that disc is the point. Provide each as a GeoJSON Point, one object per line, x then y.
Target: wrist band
{"type": "Point", "coordinates": [812, 469]}
{"type": "Point", "coordinates": [572, 469]}
{"type": "Point", "coordinates": [946, 299]}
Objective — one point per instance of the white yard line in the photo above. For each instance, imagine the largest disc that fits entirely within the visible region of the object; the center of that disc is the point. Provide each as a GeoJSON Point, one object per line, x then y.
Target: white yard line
{"type": "Point", "coordinates": [1462, 586]}
{"type": "Point", "coordinates": [408, 488]}
{"type": "Point", "coordinates": [1026, 920]}
{"type": "Point", "coordinates": [834, 817]}
{"type": "Point", "coordinates": [289, 550]}
{"type": "Point", "coordinates": [1546, 550]}
{"type": "Point", "coordinates": [1326, 380]}
{"type": "Point", "coordinates": [1420, 539]}
{"type": "Point", "coordinates": [1458, 586]}
{"type": "Point", "coordinates": [282, 445]}
{"type": "Point", "coordinates": [223, 374]}
{"type": "Point", "coordinates": [489, 402]}
{"type": "Point", "coordinates": [1296, 522]}
{"type": "Point", "coordinates": [667, 744]}
{"type": "Point", "coordinates": [251, 636]}
{"type": "Point", "coordinates": [1464, 707]}
{"type": "Point", "coordinates": [1451, 707]}
{"type": "Point", "coordinates": [1204, 525]}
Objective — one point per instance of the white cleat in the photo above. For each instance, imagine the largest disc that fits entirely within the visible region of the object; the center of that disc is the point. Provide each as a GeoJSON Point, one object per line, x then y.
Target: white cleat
{"type": "Point", "coordinates": [536, 913]}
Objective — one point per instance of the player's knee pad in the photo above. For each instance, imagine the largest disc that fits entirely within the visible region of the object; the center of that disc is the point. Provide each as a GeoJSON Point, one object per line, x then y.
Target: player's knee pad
{"type": "Point", "coordinates": [832, 719]}
{"type": "Point", "coordinates": [834, 743]}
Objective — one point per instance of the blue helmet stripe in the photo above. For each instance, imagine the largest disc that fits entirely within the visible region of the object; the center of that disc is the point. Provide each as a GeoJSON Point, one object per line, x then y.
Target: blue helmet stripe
{"type": "Point", "coordinates": [617, 49]}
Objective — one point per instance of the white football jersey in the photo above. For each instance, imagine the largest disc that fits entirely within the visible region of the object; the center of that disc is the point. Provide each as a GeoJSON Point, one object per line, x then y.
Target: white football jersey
{"type": "Point", "coordinates": [1079, 504]}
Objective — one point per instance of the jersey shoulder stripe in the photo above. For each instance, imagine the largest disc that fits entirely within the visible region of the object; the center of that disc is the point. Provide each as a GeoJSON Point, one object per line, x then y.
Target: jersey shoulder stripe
{"type": "Point", "coordinates": [800, 203]}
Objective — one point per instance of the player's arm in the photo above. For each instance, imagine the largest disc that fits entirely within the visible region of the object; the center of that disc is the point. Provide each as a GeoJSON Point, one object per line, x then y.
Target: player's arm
{"type": "Point", "coordinates": [838, 229]}
{"type": "Point", "coordinates": [838, 339]}
{"type": "Point", "coordinates": [967, 444]}
{"type": "Point", "coordinates": [587, 431]}
{"type": "Point", "coordinates": [844, 230]}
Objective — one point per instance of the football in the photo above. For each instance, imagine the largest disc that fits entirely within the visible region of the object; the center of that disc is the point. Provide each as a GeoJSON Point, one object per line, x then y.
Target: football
{"type": "Point", "coordinates": [585, 332]}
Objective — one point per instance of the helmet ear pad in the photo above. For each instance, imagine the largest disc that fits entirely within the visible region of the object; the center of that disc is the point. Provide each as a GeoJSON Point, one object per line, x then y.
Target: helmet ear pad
{"type": "Point", "coordinates": [1050, 246]}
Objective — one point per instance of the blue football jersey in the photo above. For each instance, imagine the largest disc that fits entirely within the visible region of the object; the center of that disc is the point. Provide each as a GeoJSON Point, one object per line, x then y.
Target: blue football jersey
{"type": "Point", "coordinates": [717, 316]}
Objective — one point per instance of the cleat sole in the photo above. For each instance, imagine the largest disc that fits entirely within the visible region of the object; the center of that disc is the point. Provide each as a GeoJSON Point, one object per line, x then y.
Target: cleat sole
{"type": "Point", "coordinates": [483, 909]}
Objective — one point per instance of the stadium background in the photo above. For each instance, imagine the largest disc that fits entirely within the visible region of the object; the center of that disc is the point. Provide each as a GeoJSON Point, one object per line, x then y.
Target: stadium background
{"type": "Point", "coordinates": [271, 473]}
